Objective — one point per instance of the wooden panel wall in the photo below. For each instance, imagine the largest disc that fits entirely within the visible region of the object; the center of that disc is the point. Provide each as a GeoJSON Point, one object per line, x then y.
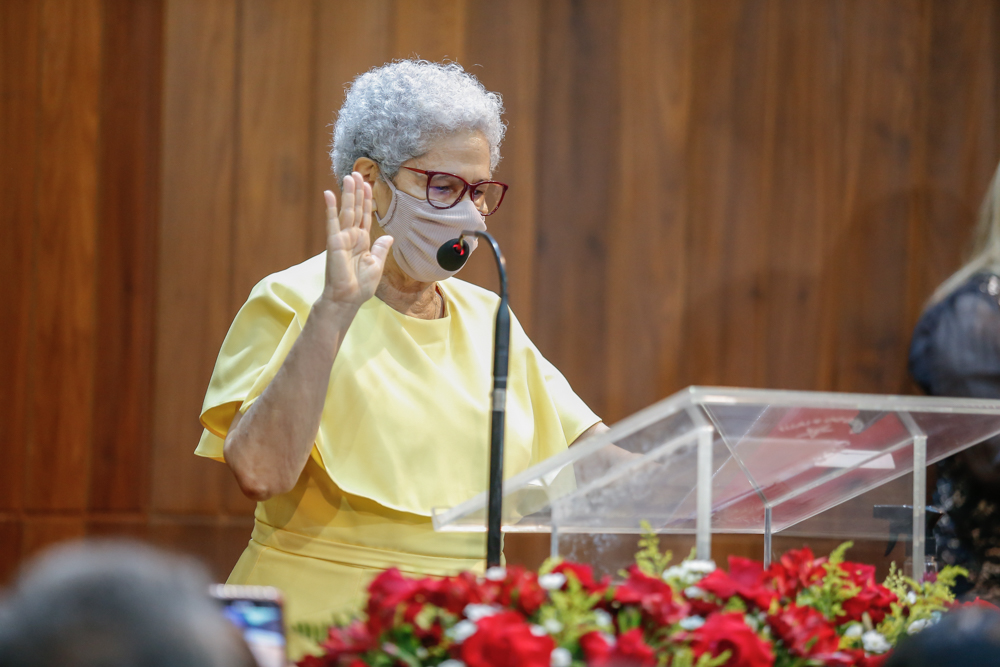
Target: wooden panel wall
{"type": "Point", "coordinates": [79, 172]}
{"type": "Point", "coordinates": [737, 192]}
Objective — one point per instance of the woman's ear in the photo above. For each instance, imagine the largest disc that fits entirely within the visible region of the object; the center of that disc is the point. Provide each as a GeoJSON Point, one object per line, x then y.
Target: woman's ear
{"type": "Point", "coordinates": [368, 169]}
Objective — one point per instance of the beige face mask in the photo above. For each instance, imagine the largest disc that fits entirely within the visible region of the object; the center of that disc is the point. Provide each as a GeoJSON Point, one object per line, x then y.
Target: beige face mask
{"type": "Point", "coordinates": [418, 230]}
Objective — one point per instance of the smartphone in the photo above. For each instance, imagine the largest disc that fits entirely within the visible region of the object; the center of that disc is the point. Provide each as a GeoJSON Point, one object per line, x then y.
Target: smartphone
{"type": "Point", "coordinates": [257, 612]}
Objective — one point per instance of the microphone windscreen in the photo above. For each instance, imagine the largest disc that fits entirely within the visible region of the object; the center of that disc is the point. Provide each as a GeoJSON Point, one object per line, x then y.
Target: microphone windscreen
{"type": "Point", "coordinates": [453, 254]}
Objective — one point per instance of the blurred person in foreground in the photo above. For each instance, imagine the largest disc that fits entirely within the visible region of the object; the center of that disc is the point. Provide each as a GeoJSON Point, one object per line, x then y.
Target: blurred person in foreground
{"type": "Point", "coordinates": [967, 637]}
{"type": "Point", "coordinates": [351, 396]}
{"type": "Point", "coordinates": [955, 351]}
{"type": "Point", "coordinates": [115, 604]}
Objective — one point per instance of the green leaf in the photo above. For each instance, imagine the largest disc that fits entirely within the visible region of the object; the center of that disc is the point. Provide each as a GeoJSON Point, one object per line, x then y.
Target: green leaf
{"type": "Point", "coordinates": [649, 559]}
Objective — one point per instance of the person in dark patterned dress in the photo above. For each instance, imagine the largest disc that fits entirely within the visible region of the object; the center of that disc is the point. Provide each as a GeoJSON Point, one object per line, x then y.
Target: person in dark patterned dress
{"type": "Point", "coordinates": [955, 351]}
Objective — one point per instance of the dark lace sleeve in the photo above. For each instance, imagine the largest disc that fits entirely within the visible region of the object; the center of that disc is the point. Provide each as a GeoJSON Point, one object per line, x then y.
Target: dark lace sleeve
{"type": "Point", "coordinates": [956, 344]}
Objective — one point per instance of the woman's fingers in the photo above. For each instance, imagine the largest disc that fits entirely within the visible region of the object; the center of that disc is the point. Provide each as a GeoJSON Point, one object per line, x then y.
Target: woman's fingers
{"type": "Point", "coordinates": [359, 200]}
{"type": "Point", "coordinates": [332, 222]}
{"type": "Point", "coordinates": [380, 250]}
{"type": "Point", "coordinates": [348, 194]}
{"type": "Point", "coordinates": [366, 212]}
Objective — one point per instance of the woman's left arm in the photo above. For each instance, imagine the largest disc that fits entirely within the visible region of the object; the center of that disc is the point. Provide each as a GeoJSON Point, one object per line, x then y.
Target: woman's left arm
{"type": "Point", "coordinates": [596, 429]}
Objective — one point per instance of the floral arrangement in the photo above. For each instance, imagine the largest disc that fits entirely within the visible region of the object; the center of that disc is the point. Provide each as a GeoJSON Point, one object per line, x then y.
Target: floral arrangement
{"type": "Point", "coordinates": [800, 611]}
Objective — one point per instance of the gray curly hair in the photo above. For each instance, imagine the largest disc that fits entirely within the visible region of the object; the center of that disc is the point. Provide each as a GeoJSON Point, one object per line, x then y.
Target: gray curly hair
{"type": "Point", "coordinates": [392, 112]}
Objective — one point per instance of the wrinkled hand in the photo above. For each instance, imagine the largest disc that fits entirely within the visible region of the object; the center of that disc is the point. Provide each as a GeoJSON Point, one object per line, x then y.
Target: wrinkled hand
{"type": "Point", "coordinates": [353, 263]}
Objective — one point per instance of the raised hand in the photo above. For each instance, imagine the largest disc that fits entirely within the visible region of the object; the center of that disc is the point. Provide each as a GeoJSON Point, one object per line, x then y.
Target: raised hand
{"type": "Point", "coordinates": [353, 263]}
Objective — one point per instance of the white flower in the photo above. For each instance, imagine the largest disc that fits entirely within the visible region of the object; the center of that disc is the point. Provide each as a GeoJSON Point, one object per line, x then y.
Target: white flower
{"type": "Point", "coordinates": [552, 581]}
{"type": "Point", "coordinates": [561, 657]}
{"type": "Point", "coordinates": [610, 640]}
{"type": "Point", "coordinates": [475, 612]}
{"type": "Point", "coordinates": [875, 642]}
{"type": "Point", "coordinates": [674, 572]}
{"type": "Point", "coordinates": [698, 566]}
{"type": "Point", "coordinates": [752, 622]}
{"type": "Point", "coordinates": [602, 618]}
{"type": "Point", "coordinates": [538, 630]}
{"type": "Point", "coordinates": [496, 573]}
{"type": "Point", "coordinates": [452, 663]}
{"type": "Point", "coordinates": [421, 652]}
{"type": "Point", "coordinates": [461, 631]}
{"type": "Point", "coordinates": [911, 597]}
{"type": "Point", "coordinates": [695, 593]}
{"type": "Point", "coordinates": [854, 630]}
{"type": "Point", "coordinates": [692, 622]}
{"type": "Point", "coordinates": [917, 626]}
{"type": "Point", "coordinates": [552, 626]}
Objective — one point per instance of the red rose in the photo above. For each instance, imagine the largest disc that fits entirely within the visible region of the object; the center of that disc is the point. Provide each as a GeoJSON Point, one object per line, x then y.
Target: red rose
{"type": "Point", "coordinates": [872, 598]}
{"type": "Point", "coordinates": [746, 579]}
{"type": "Point", "coordinates": [519, 590]}
{"type": "Point", "coordinates": [386, 592]}
{"type": "Point", "coordinates": [505, 640]}
{"type": "Point", "coordinates": [341, 643]}
{"type": "Point", "coordinates": [630, 650]}
{"type": "Point", "coordinates": [452, 594]}
{"type": "Point", "coordinates": [653, 595]}
{"type": "Point", "coordinates": [804, 631]}
{"type": "Point", "coordinates": [584, 574]}
{"type": "Point", "coordinates": [795, 570]}
{"type": "Point", "coordinates": [595, 649]}
{"type": "Point", "coordinates": [729, 632]}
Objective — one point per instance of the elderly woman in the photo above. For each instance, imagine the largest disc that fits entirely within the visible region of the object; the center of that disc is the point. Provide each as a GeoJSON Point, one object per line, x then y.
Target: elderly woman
{"type": "Point", "coordinates": [349, 418]}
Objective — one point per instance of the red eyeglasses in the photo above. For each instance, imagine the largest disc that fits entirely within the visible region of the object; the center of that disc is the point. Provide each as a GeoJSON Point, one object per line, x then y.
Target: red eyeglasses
{"type": "Point", "coordinates": [444, 190]}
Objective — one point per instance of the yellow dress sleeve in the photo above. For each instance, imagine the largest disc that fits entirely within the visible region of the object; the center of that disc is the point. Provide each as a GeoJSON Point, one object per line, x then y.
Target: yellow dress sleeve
{"type": "Point", "coordinates": [551, 396]}
{"type": "Point", "coordinates": [258, 341]}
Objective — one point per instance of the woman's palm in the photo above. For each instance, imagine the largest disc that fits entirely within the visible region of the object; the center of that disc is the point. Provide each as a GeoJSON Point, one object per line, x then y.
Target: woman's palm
{"type": "Point", "coordinates": [353, 264]}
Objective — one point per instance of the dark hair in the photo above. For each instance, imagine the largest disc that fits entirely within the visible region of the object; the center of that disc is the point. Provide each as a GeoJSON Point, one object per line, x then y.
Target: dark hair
{"type": "Point", "coordinates": [115, 604]}
{"type": "Point", "coordinates": [964, 638]}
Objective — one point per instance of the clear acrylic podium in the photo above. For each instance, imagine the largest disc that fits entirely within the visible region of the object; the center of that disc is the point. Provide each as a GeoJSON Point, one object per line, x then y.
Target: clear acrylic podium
{"type": "Point", "coordinates": [720, 460]}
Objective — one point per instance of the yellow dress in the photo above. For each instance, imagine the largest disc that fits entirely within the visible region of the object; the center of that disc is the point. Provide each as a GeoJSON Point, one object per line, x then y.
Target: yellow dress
{"type": "Point", "coordinates": [405, 428]}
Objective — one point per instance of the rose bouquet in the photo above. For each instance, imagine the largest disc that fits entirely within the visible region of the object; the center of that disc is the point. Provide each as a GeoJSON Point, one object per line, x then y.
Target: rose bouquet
{"type": "Point", "coordinates": [802, 610]}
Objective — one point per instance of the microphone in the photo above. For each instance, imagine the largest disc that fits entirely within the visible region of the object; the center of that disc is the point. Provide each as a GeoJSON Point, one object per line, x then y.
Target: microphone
{"type": "Point", "coordinates": [452, 256]}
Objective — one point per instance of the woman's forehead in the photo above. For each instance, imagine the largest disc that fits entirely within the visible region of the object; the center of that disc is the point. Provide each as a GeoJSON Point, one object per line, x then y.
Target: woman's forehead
{"type": "Point", "coordinates": [465, 153]}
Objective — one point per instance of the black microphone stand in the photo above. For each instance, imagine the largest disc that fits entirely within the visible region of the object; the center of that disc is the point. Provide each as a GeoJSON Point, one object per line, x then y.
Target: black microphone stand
{"type": "Point", "coordinates": [501, 357]}
{"type": "Point", "coordinates": [452, 256]}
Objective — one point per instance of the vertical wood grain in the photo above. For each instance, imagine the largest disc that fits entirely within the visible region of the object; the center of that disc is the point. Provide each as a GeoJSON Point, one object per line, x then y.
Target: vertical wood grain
{"type": "Point", "coordinates": [19, 27]}
{"type": "Point", "coordinates": [577, 157]}
{"type": "Point", "coordinates": [962, 86]}
{"type": "Point", "coordinates": [195, 264]}
{"type": "Point", "coordinates": [514, 73]}
{"type": "Point", "coordinates": [805, 189]}
{"type": "Point", "coordinates": [430, 29]}
{"type": "Point", "coordinates": [272, 222]}
{"type": "Point", "coordinates": [126, 267]}
{"type": "Point", "coordinates": [646, 297]}
{"type": "Point", "coordinates": [729, 170]}
{"type": "Point", "coordinates": [66, 208]}
{"type": "Point", "coordinates": [883, 158]}
{"type": "Point", "coordinates": [341, 55]}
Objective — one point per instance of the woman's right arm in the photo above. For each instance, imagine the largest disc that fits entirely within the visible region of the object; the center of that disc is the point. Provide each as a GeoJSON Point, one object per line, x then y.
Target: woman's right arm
{"type": "Point", "coordinates": [268, 446]}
